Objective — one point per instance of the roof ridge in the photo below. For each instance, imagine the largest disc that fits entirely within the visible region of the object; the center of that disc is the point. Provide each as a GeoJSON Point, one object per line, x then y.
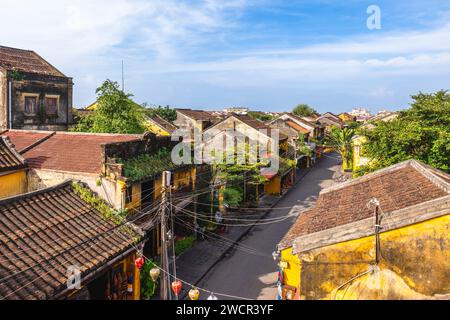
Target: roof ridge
{"type": "Point", "coordinates": [74, 133]}
{"type": "Point", "coordinates": [12, 148]}
{"type": "Point", "coordinates": [27, 195]}
{"type": "Point", "coordinates": [432, 174]}
{"type": "Point", "coordinates": [13, 48]}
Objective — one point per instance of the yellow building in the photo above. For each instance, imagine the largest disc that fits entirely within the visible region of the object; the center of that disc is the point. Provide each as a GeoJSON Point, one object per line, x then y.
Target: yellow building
{"type": "Point", "coordinates": [333, 251]}
{"type": "Point", "coordinates": [346, 117]}
{"type": "Point", "coordinates": [159, 126]}
{"type": "Point", "coordinates": [13, 175]}
{"type": "Point", "coordinates": [358, 152]}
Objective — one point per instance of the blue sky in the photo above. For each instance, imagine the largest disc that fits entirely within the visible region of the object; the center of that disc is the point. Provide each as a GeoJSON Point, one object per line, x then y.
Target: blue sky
{"type": "Point", "coordinates": [265, 54]}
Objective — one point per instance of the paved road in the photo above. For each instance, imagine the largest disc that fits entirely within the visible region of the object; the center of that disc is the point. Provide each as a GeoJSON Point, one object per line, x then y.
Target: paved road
{"type": "Point", "coordinates": [254, 275]}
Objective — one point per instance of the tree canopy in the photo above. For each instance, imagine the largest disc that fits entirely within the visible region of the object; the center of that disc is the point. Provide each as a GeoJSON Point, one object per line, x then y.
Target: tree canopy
{"type": "Point", "coordinates": [303, 110]}
{"type": "Point", "coordinates": [341, 142]}
{"type": "Point", "coordinates": [421, 132]}
{"type": "Point", "coordinates": [166, 113]}
{"type": "Point", "coordinates": [116, 112]}
{"type": "Point", "coordinates": [260, 116]}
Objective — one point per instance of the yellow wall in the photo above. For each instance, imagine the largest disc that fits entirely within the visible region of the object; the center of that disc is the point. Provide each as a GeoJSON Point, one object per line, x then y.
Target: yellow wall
{"type": "Point", "coordinates": [151, 127]}
{"type": "Point", "coordinates": [414, 265]}
{"type": "Point", "coordinates": [273, 186]}
{"type": "Point", "coordinates": [358, 159]}
{"type": "Point", "coordinates": [12, 184]}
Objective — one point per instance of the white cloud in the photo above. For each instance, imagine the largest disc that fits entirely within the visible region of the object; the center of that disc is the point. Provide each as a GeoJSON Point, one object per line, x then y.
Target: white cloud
{"type": "Point", "coordinates": [160, 40]}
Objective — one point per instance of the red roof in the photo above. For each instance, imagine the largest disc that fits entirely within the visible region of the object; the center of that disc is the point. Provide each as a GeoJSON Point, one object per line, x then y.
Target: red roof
{"type": "Point", "coordinates": [22, 139]}
{"type": "Point", "coordinates": [26, 61]}
{"type": "Point", "coordinates": [70, 152]}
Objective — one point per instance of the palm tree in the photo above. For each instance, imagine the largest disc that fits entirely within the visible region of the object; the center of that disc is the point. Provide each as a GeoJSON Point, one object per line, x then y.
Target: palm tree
{"type": "Point", "coordinates": [341, 142]}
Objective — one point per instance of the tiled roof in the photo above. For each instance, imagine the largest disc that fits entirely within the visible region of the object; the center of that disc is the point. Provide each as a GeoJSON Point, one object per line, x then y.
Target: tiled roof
{"type": "Point", "coordinates": [10, 159]}
{"type": "Point", "coordinates": [397, 187]}
{"type": "Point", "coordinates": [197, 114]}
{"type": "Point", "coordinates": [258, 125]}
{"type": "Point", "coordinates": [26, 61]}
{"type": "Point", "coordinates": [298, 128]}
{"type": "Point", "coordinates": [69, 152]}
{"type": "Point", "coordinates": [162, 123]}
{"type": "Point", "coordinates": [302, 121]}
{"type": "Point", "coordinates": [44, 232]}
{"type": "Point", "coordinates": [22, 139]}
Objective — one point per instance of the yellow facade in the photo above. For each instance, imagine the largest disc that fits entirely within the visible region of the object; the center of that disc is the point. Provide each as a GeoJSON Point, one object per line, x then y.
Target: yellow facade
{"type": "Point", "coordinates": [345, 117]}
{"type": "Point", "coordinates": [151, 127]}
{"type": "Point", "coordinates": [13, 183]}
{"type": "Point", "coordinates": [358, 159]}
{"type": "Point", "coordinates": [273, 187]}
{"type": "Point", "coordinates": [414, 264]}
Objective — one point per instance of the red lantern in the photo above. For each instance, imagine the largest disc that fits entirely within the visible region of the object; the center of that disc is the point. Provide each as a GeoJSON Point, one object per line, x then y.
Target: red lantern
{"type": "Point", "coordinates": [176, 287]}
{"type": "Point", "coordinates": [139, 262]}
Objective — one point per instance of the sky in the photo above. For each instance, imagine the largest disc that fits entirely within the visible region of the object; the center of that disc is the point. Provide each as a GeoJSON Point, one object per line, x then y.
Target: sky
{"type": "Point", "coordinates": [268, 55]}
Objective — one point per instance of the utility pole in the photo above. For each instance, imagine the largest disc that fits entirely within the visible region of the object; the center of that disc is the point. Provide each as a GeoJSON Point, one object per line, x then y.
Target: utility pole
{"type": "Point", "coordinates": [165, 291]}
{"type": "Point", "coordinates": [376, 204]}
{"type": "Point", "coordinates": [123, 78]}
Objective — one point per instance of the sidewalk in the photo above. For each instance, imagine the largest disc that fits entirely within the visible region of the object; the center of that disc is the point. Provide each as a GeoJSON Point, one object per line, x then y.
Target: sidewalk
{"type": "Point", "coordinates": [195, 263]}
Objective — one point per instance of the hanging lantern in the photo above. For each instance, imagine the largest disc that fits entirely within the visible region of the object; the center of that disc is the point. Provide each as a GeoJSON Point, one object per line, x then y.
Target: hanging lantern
{"type": "Point", "coordinates": [154, 274]}
{"type": "Point", "coordinates": [212, 297]}
{"type": "Point", "coordinates": [194, 294]}
{"type": "Point", "coordinates": [139, 262]}
{"type": "Point", "coordinates": [176, 287]}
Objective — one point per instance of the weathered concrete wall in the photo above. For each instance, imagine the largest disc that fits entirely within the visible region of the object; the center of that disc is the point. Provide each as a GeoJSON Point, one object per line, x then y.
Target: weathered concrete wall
{"type": "Point", "coordinates": [42, 86]}
{"type": "Point", "coordinates": [108, 190]}
{"type": "Point", "coordinates": [130, 149]}
{"type": "Point", "coordinates": [415, 264]}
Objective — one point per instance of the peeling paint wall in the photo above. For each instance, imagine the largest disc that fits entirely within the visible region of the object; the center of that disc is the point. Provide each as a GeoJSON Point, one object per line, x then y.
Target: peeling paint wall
{"type": "Point", "coordinates": [38, 179]}
{"type": "Point", "coordinates": [415, 264]}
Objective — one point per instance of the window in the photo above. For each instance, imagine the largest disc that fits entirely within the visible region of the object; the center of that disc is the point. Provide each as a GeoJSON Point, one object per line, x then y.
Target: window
{"type": "Point", "coordinates": [51, 105]}
{"type": "Point", "coordinates": [31, 103]}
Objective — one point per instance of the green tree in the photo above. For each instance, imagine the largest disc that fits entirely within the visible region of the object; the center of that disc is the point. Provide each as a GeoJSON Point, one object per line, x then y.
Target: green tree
{"type": "Point", "coordinates": [115, 112]}
{"type": "Point", "coordinates": [303, 110]}
{"type": "Point", "coordinates": [166, 113]}
{"type": "Point", "coordinates": [341, 142]}
{"type": "Point", "coordinates": [260, 116]}
{"type": "Point", "coordinates": [421, 132]}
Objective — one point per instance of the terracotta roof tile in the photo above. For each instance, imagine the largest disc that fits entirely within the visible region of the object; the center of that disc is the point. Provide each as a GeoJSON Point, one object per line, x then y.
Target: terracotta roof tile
{"type": "Point", "coordinates": [26, 61]}
{"type": "Point", "coordinates": [197, 114]}
{"type": "Point", "coordinates": [397, 187]}
{"type": "Point", "coordinates": [44, 232]}
{"type": "Point", "coordinates": [70, 152]}
{"type": "Point", "coordinates": [22, 139]}
{"type": "Point", "coordinates": [10, 159]}
{"type": "Point", "coordinates": [164, 124]}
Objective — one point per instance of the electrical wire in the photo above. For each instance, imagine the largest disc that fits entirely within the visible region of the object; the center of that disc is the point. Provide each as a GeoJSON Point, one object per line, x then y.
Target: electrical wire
{"type": "Point", "coordinates": [224, 240]}
{"type": "Point", "coordinates": [199, 288]}
{"type": "Point", "coordinates": [187, 212]}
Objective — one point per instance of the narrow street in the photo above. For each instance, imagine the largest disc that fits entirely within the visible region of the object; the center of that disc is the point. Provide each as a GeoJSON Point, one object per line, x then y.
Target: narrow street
{"type": "Point", "coordinates": [254, 276]}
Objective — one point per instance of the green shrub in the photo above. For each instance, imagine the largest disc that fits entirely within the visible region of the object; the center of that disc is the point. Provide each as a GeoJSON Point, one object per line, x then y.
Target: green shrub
{"type": "Point", "coordinates": [184, 244]}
